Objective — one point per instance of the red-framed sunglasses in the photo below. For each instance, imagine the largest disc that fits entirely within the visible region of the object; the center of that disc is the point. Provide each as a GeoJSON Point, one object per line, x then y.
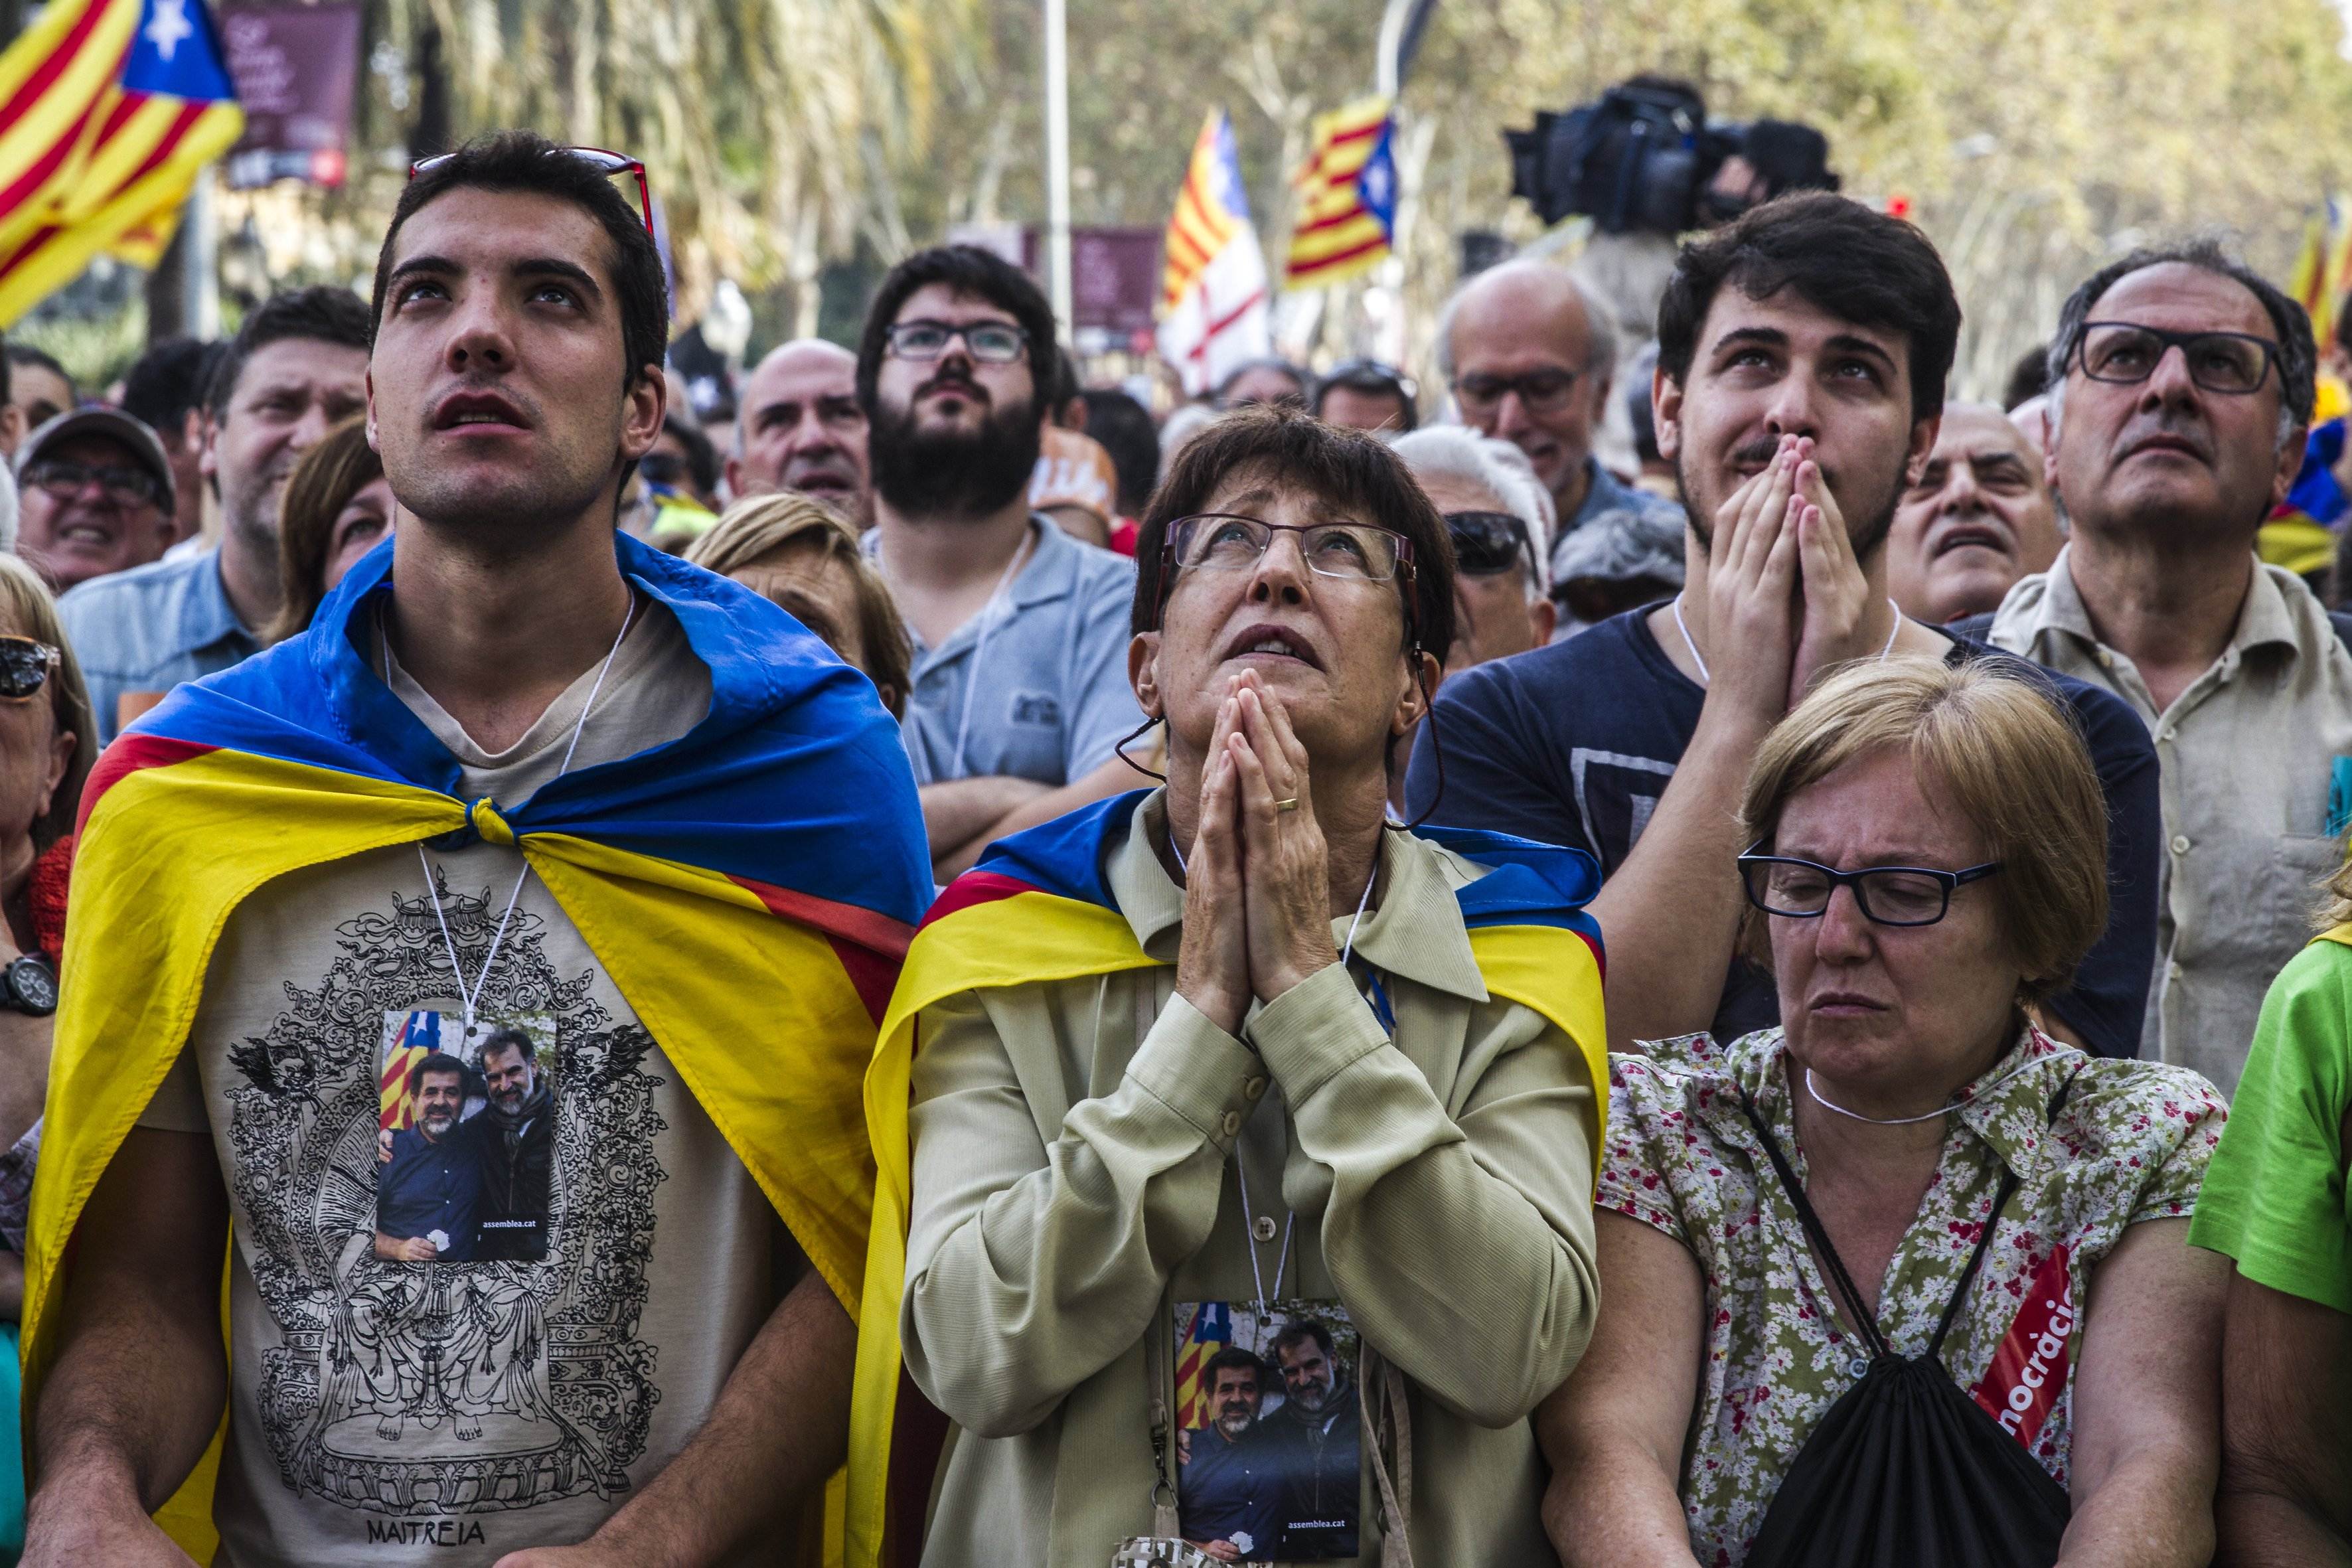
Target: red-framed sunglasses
{"type": "Point", "coordinates": [602, 159]}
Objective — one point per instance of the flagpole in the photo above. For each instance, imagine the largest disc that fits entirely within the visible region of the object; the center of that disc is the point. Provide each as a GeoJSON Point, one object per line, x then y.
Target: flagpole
{"type": "Point", "coordinates": [1057, 160]}
{"type": "Point", "coordinates": [200, 256]}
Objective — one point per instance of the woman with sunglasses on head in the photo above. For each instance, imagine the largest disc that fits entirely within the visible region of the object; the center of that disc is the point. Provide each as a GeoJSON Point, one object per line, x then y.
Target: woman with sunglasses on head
{"type": "Point", "coordinates": [1902, 1282]}
{"type": "Point", "coordinates": [47, 746]}
{"type": "Point", "coordinates": [1242, 1042]}
{"type": "Point", "coordinates": [338, 507]}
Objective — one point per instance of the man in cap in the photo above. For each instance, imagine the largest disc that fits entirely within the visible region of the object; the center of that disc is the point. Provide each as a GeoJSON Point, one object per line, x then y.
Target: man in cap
{"type": "Point", "coordinates": [96, 496]}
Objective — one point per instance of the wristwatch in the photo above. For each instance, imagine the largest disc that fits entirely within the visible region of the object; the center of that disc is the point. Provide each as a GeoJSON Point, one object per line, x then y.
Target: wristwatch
{"type": "Point", "coordinates": [29, 985]}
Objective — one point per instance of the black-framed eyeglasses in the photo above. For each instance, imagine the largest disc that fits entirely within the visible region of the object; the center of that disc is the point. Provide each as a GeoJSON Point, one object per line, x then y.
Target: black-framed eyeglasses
{"type": "Point", "coordinates": [989, 342]}
{"type": "Point", "coordinates": [1486, 543]}
{"type": "Point", "coordinates": [1888, 895]}
{"type": "Point", "coordinates": [1544, 391]}
{"type": "Point", "coordinates": [124, 486]}
{"type": "Point", "coordinates": [1226, 541]}
{"type": "Point", "coordinates": [2126, 354]}
{"type": "Point", "coordinates": [601, 158]}
{"type": "Point", "coordinates": [25, 667]}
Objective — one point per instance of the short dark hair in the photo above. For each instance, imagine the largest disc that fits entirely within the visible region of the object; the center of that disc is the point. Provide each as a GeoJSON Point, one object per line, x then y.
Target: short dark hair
{"type": "Point", "coordinates": [1371, 380]}
{"type": "Point", "coordinates": [1067, 382]}
{"type": "Point", "coordinates": [167, 381]}
{"type": "Point", "coordinates": [1351, 469]}
{"type": "Point", "coordinates": [1297, 1331]}
{"type": "Point", "coordinates": [2028, 378]}
{"type": "Point", "coordinates": [2298, 354]}
{"type": "Point", "coordinates": [1124, 427]}
{"type": "Point", "coordinates": [26, 353]}
{"type": "Point", "coordinates": [1841, 257]}
{"type": "Point", "coordinates": [433, 1062]}
{"type": "Point", "coordinates": [1233, 1358]}
{"type": "Point", "coordinates": [1297, 372]}
{"type": "Point", "coordinates": [524, 161]}
{"type": "Point", "coordinates": [961, 270]}
{"type": "Point", "coordinates": [701, 457]}
{"type": "Point", "coordinates": [509, 1039]}
{"type": "Point", "coordinates": [323, 312]}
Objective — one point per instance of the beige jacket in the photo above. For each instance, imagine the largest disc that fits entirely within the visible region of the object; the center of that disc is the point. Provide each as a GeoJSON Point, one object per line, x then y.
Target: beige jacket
{"type": "Point", "coordinates": [1073, 1178]}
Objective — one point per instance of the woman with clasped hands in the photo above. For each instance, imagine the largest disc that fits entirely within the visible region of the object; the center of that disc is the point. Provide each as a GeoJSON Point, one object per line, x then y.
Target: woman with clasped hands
{"type": "Point", "coordinates": [1811, 1349]}
{"type": "Point", "coordinates": [1299, 1084]}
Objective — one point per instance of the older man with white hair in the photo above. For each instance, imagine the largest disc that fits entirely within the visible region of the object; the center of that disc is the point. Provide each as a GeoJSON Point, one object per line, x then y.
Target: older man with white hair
{"type": "Point", "coordinates": [1500, 518]}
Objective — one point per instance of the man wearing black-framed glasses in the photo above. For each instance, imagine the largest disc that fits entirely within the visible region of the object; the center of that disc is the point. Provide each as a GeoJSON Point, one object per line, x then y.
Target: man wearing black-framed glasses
{"type": "Point", "coordinates": [95, 496]}
{"type": "Point", "coordinates": [1019, 690]}
{"type": "Point", "coordinates": [2181, 381]}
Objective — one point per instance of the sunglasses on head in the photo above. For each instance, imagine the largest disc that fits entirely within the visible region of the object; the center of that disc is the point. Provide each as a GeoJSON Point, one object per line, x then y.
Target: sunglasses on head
{"type": "Point", "coordinates": [602, 161]}
{"type": "Point", "coordinates": [1485, 543]}
{"type": "Point", "coordinates": [25, 667]}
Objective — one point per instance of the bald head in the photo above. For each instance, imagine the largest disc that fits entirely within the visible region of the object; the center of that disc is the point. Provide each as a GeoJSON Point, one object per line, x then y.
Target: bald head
{"type": "Point", "coordinates": [1528, 356]}
{"type": "Point", "coordinates": [802, 429]}
{"type": "Point", "coordinates": [1979, 518]}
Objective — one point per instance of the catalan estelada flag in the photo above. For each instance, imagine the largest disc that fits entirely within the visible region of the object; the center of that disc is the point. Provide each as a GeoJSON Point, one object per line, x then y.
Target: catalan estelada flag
{"type": "Point", "coordinates": [1346, 197]}
{"type": "Point", "coordinates": [1038, 908]}
{"type": "Point", "coordinates": [108, 109]}
{"type": "Point", "coordinates": [420, 1036]}
{"type": "Point", "coordinates": [1210, 1330]}
{"type": "Point", "coordinates": [749, 887]}
{"type": "Point", "coordinates": [1214, 311]}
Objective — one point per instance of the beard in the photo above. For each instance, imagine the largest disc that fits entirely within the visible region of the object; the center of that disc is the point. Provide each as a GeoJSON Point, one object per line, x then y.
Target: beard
{"type": "Point", "coordinates": [1311, 1397]}
{"type": "Point", "coordinates": [1878, 505]}
{"type": "Point", "coordinates": [953, 474]}
{"type": "Point", "coordinates": [437, 1121]}
{"type": "Point", "coordinates": [1235, 1420]}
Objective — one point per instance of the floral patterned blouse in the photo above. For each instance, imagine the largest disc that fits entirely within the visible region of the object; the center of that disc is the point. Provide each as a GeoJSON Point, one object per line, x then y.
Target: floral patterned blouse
{"type": "Point", "coordinates": [2130, 1143]}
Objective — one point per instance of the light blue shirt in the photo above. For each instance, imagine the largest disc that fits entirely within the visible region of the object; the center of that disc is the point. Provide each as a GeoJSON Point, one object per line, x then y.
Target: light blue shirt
{"type": "Point", "coordinates": [150, 628]}
{"type": "Point", "coordinates": [1034, 686]}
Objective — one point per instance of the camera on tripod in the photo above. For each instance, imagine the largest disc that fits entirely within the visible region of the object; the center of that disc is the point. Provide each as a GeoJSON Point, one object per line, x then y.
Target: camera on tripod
{"type": "Point", "coordinates": [1645, 159]}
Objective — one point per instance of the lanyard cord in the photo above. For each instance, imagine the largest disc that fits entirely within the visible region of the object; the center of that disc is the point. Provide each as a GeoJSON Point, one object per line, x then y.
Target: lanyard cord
{"type": "Point", "coordinates": [466, 999]}
{"type": "Point", "coordinates": [1683, 627]}
{"type": "Point", "coordinates": [1241, 1166]}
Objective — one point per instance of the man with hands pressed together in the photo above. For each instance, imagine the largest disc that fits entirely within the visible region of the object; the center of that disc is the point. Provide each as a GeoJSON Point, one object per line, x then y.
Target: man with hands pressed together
{"type": "Point", "coordinates": [1803, 353]}
{"type": "Point", "coordinates": [1236, 1040]}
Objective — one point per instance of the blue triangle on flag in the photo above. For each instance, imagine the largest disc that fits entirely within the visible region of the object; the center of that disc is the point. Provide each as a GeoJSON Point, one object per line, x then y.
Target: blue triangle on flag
{"type": "Point", "coordinates": [177, 52]}
{"type": "Point", "coordinates": [1376, 183]}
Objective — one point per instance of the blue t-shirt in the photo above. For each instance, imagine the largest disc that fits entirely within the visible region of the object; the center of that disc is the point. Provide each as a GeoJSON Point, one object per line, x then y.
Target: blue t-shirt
{"type": "Point", "coordinates": [431, 1187]}
{"type": "Point", "coordinates": [1231, 1489]}
{"type": "Point", "coordinates": [1573, 744]}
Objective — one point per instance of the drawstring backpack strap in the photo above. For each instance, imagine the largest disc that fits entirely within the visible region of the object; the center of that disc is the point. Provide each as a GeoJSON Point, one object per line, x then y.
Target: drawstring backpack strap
{"type": "Point", "coordinates": [1866, 1324]}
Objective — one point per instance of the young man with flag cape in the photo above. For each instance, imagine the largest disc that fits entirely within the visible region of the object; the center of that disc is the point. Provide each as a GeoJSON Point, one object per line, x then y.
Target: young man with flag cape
{"type": "Point", "coordinates": [518, 775]}
{"type": "Point", "coordinates": [1242, 1041]}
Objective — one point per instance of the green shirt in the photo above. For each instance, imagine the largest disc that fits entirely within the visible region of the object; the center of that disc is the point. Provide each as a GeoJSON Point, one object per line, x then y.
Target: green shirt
{"type": "Point", "coordinates": [2274, 1199]}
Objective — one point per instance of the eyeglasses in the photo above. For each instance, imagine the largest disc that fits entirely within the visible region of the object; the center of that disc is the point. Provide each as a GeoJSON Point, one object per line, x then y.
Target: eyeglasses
{"type": "Point", "coordinates": [1541, 391]}
{"type": "Point", "coordinates": [597, 158]}
{"type": "Point", "coordinates": [989, 342]}
{"type": "Point", "coordinates": [124, 486]}
{"type": "Point", "coordinates": [2125, 353]}
{"type": "Point", "coordinates": [1351, 551]}
{"type": "Point", "coordinates": [1485, 543]}
{"type": "Point", "coordinates": [25, 667]}
{"type": "Point", "coordinates": [1888, 895]}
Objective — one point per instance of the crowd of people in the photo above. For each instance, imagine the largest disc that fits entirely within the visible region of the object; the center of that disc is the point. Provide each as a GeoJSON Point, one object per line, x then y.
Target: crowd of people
{"type": "Point", "coordinates": [1341, 974]}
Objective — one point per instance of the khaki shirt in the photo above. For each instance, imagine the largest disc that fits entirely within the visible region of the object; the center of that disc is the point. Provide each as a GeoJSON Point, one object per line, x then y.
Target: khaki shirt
{"type": "Point", "coordinates": [2246, 754]}
{"type": "Point", "coordinates": [1074, 1148]}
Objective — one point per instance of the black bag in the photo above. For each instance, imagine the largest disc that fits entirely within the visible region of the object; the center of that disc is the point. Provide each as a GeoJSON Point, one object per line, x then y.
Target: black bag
{"type": "Point", "coordinates": [1905, 1470]}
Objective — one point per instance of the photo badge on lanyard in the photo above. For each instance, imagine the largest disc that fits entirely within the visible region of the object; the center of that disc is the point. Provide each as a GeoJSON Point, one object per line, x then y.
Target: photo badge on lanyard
{"type": "Point", "coordinates": [464, 1139]}
{"type": "Point", "coordinates": [1269, 1433]}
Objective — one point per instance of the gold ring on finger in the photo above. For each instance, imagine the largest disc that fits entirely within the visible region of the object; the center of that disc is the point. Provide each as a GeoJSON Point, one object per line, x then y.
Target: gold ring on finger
{"type": "Point", "coordinates": [1290, 805]}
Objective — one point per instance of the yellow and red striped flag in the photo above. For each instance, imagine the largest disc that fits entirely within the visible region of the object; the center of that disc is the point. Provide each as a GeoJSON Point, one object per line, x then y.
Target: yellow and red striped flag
{"type": "Point", "coordinates": [108, 109]}
{"type": "Point", "coordinates": [1213, 307]}
{"type": "Point", "coordinates": [1346, 197]}
{"type": "Point", "coordinates": [1209, 1330]}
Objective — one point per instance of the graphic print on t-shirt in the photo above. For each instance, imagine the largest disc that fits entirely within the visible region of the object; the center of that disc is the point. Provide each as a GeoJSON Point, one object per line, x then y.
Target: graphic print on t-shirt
{"type": "Point", "coordinates": [465, 1139]}
{"type": "Point", "coordinates": [505, 1380]}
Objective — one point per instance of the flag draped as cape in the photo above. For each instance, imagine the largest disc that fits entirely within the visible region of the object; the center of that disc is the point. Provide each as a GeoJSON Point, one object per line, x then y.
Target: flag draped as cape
{"type": "Point", "coordinates": [1037, 908]}
{"type": "Point", "coordinates": [750, 887]}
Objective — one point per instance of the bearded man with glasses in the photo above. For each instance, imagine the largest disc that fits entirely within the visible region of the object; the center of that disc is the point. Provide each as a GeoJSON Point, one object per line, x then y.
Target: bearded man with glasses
{"type": "Point", "coordinates": [1020, 676]}
{"type": "Point", "coordinates": [2180, 387]}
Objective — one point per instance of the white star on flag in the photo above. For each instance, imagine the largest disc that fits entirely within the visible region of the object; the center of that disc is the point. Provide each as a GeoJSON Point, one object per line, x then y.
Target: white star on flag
{"type": "Point", "coordinates": [169, 26]}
